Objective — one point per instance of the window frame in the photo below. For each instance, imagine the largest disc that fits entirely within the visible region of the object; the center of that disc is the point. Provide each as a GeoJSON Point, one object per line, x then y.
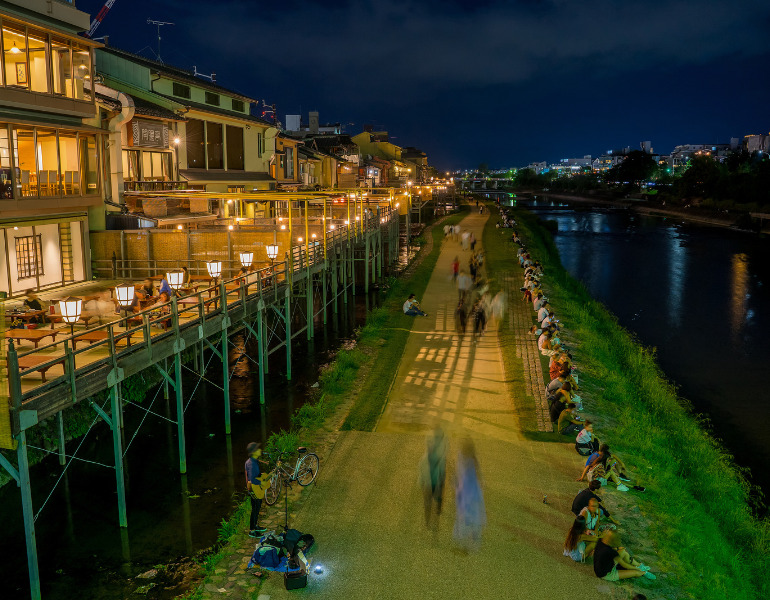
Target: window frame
{"type": "Point", "coordinates": [174, 85]}
{"type": "Point", "coordinates": [238, 105]}
{"type": "Point", "coordinates": [212, 98]}
{"type": "Point", "coordinates": [34, 268]}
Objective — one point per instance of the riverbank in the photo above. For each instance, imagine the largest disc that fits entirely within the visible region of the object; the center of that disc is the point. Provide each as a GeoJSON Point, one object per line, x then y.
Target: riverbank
{"type": "Point", "coordinates": [698, 505]}
{"type": "Point", "coordinates": [318, 424]}
{"type": "Point", "coordinates": [694, 215]}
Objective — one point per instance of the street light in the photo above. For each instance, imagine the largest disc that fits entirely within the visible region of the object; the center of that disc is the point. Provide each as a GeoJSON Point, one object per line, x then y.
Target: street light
{"type": "Point", "coordinates": [214, 268]}
{"type": "Point", "coordinates": [175, 279]}
{"type": "Point", "coordinates": [246, 258]}
{"type": "Point", "coordinates": [272, 252]}
{"type": "Point", "coordinates": [70, 310]}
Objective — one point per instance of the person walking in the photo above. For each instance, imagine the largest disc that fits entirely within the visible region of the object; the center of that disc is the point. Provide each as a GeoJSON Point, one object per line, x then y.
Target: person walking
{"type": "Point", "coordinates": [461, 318]}
{"type": "Point", "coordinates": [253, 481]}
{"type": "Point", "coordinates": [479, 319]}
{"type": "Point", "coordinates": [455, 268]}
{"type": "Point", "coordinates": [471, 515]}
{"type": "Point", "coordinates": [433, 473]}
{"type": "Point", "coordinates": [464, 285]}
{"type": "Point", "coordinates": [472, 240]}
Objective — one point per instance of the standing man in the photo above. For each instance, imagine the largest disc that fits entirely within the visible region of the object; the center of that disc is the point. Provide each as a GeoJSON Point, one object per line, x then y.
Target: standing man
{"type": "Point", "coordinates": [252, 487]}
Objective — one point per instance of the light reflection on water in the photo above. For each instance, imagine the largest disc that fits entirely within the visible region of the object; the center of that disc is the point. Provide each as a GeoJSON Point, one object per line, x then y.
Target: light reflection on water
{"type": "Point", "coordinates": [699, 296]}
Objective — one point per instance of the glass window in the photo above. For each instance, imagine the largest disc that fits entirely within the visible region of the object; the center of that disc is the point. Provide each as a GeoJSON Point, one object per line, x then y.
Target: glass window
{"type": "Point", "coordinates": [147, 166]}
{"type": "Point", "coordinates": [194, 142]}
{"type": "Point", "coordinates": [214, 146]}
{"type": "Point", "coordinates": [81, 66]}
{"type": "Point", "coordinates": [238, 105]}
{"type": "Point", "coordinates": [68, 163]}
{"type": "Point", "coordinates": [212, 98]}
{"type": "Point", "coordinates": [29, 256]}
{"type": "Point", "coordinates": [161, 165]}
{"type": "Point", "coordinates": [61, 67]}
{"type": "Point", "coordinates": [24, 150]}
{"type": "Point", "coordinates": [89, 165]}
{"type": "Point", "coordinates": [183, 91]}
{"type": "Point", "coordinates": [260, 144]}
{"type": "Point", "coordinates": [47, 163]}
{"type": "Point", "coordinates": [38, 61]}
{"type": "Point", "coordinates": [15, 57]}
{"type": "Point", "coordinates": [234, 148]}
{"type": "Point", "coordinates": [131, 165]}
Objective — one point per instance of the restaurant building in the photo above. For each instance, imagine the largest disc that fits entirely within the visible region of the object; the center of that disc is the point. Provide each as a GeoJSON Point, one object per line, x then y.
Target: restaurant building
{"type": "Point", "coordinates": [50, 146]}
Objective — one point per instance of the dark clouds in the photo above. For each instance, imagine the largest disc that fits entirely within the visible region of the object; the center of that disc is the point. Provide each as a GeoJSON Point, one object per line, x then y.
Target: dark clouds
{"type": "Point", "coordinates": [421, 67]}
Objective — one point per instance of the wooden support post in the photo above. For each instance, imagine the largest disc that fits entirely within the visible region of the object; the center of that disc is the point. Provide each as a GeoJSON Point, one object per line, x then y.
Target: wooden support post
{"type": "Point", "coordinates": [323, 288]}
{"type": "Point", "coordinates": [287, 323]}
{"type": "Point", "coordinates": [335, 290]}
{"type": "Point", "coordinates": [309, 304]}
{"type": "Point", "coordinates": [117, 446]}
{"type": "Point", "coordinates": [353, 267]}
{"type": "Point", "coordinates": [344, 261]}
{"type": "Point", "coordinates": [261, 351]}
{"type": "Point", "coordinates": [366, 262]}
{"type": "Point", "coordinates": [29, 515]}
{"type": "Point", "coordinates": [180, 412]}
{"type": "Point", "coordinates": [60, 428]}
{"type": "Point", "coordinates": [226, 376]}
{"type": "Point", "coordinates": [165, 381]}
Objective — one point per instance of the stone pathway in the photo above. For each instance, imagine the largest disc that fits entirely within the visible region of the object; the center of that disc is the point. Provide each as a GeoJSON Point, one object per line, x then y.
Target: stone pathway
{"type": "Point", "coordinates": [366, 510]}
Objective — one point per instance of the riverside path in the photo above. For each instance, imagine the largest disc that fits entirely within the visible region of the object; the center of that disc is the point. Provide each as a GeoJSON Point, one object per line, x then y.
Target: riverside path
{"type": "Point", "coordinates": [367, 513]}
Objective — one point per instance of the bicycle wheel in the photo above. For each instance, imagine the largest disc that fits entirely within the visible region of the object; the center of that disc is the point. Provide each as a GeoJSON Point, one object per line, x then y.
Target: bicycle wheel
{"type": "Point", "coordinates": [307, 469]}
{"type": "Point", "coordinates": [274, 491]}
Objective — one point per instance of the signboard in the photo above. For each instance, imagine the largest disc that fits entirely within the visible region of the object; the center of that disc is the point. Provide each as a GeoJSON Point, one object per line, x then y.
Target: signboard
{"type": "Point", "coordinates": [149, 134]}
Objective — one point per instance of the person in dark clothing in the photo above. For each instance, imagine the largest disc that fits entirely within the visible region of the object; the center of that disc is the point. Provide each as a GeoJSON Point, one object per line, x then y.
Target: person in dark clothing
{"type": "Point", "coordinates": [461, 318]}
{"type": "Point", "coordinates": [613, 563]}
{"type": "Point", "coordinates": [252, 479]}
{"type": "Point", "coordinates": [32, 302]}
{"type": "Point", "coordinates": [581, 500]}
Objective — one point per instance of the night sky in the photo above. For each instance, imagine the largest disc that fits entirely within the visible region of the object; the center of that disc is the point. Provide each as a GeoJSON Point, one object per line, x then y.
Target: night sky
{"type": "Point", "coordinates": [503, 83]}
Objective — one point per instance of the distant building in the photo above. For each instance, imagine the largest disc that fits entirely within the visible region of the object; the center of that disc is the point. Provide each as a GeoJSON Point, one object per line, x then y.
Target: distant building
{"type": "Point", "coordinates": [537, 167]}
{"type": "Point", "coordinates": [297, 127]}
{"type": "Point", "coordinates": [757, 142]}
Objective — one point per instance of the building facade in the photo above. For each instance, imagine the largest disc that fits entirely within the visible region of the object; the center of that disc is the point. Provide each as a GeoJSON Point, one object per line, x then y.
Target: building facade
{"type": "Point", "coordinates": [51, 175]}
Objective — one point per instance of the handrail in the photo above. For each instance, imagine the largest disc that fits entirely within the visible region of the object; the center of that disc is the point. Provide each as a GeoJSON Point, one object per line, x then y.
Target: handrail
{"type": "Point", "coordinates": [258, 283]}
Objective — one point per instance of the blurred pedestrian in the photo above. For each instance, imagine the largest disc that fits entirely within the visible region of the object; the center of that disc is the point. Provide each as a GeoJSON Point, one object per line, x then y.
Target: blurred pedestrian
{"type": "Point", "coordinates": [464, 284]}
{"type": "Point", "coordinates": [433, 472]}
{"type": "Point", "coordinates": [471, 515]}
{"type": "Point", "coordinates": [455, 268]}
{"type": "Point", "coordinates": [461, 318]}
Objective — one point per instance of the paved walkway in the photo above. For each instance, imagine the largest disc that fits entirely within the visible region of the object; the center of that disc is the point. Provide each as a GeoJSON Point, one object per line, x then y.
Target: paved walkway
{"type": "Point", "coordinates": [366, 509]}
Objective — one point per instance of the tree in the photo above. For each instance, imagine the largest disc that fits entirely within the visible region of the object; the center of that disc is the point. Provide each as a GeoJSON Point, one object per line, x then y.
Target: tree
{"type": "Point", "coordinates": [636, 168]}
{"type": "Point", "coordinates": [702, 178]}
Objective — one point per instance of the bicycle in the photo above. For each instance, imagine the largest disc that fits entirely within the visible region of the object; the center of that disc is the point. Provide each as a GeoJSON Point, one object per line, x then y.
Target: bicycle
{"type": "Point", "coordinates": [304, 472]}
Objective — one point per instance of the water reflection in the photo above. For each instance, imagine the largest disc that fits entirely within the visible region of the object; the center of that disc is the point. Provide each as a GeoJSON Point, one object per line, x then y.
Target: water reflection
{"type": "Point", "coordinates": [677, 265]}
{"type": "Point", "coordinates": [739, 295]}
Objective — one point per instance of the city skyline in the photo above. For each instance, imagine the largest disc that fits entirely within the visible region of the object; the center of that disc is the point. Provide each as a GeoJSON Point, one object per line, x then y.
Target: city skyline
{"type": "Point", "coordinates": [593, 76]}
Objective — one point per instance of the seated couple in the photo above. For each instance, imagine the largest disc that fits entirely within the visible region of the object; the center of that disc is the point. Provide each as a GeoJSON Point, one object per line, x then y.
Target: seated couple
{"type": "Point", "coordinates": [412, 307]}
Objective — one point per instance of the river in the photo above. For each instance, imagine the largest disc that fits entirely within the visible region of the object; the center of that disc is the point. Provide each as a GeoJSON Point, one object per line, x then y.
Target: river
{"type": "Point", "coordinates": [700, 295]}
{"type": "Point", "coordinates": [170, 516]}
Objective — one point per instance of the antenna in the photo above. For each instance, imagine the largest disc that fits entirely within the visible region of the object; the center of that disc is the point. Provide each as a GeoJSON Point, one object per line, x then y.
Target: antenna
{"type": "Point", "coordinates": [212, 78]}
{"type": "Point", "coordinates": [158, 25]}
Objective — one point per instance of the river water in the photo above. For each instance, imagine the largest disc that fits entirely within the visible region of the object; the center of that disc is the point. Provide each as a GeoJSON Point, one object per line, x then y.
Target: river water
{"type": "Point", "coordinates": [80, 545]}
{"type": "Point", "coordinates": [700, 295]}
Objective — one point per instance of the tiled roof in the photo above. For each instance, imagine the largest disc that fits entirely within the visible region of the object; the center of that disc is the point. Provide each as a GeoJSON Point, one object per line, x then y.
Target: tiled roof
{"type": "Point", "coordinates": [172, 72]}
{"type": "Point", "coordinates": [143, 108]}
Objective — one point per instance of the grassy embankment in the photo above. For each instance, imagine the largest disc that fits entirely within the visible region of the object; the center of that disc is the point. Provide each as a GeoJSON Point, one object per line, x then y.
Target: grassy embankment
{"type": "Point", "coordinates": [700, 505]}
{"type": "Point", "coordinates": [380, 341]}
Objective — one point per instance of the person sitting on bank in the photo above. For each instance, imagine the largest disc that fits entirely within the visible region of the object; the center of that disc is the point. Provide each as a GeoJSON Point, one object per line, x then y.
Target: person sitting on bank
{"type": "Point", "coordinates": [612, 562]}
{"type": "Point", "coordinates": [568, 423]}
{"type": "Point", "coordinates": [579, 545]}
{"type": "Point", "coordinates": [32, 302]}
{"type": "Point", "coordinates": [598, 466]}
{"type": "Point", "coordinates": [581, 501]}
{"type": "Point", "coordinates": [412, 307]}
{"type": "Point", "coordinates": [585, 442]}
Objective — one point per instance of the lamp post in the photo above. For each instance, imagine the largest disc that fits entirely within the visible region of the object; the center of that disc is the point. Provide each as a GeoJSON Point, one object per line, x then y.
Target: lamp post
{"type": "Point", "coordinates": [214, 268]}
{"type": "Point", "coordinates": [246, 258]}
{"type": "Point", "coordinates": [175, 280]}
{"type": "Point", "coordinates": [70, 310]}
{"type": "Point", "coordinates": [272, 252]}
{"type": "Point", "coordinates": [125, 295]}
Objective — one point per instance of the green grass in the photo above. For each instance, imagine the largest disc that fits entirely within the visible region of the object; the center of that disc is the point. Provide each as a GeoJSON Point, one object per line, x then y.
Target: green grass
{"type": "Point", "coordinates": [388, 328]}
{"type": "Point", "coordinates": [699, 503]}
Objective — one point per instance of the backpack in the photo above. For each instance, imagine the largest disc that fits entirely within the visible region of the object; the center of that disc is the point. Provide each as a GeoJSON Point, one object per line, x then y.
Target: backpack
{"type": "Point", "coordinates": [556, 407]}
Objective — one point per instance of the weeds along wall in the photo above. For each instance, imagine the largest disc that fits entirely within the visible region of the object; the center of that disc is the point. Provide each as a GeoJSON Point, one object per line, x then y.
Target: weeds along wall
{"type": "Point", "coordinates": [704, 512]}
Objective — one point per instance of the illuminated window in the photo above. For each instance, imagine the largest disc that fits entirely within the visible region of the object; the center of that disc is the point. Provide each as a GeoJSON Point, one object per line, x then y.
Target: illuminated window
{"type": "Point", "coordinates": [15, 58]}
{"type": "Point", "coordinates": [38, 62]}
{"type": "Point", "coordinates": [289, 163]}
{"type": "Point", "coordinates": [89, 171]}
{"type": "Point", "coordinates": [61, 67]}
{"type": "Point", "coordinates": [47, 163]}
{"type": "Point", "coordinates": [81, 66]}
{"type": "Point", "coordinates": [68, 163]}
{"type": "Point", "coordinates": [29, 259]}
